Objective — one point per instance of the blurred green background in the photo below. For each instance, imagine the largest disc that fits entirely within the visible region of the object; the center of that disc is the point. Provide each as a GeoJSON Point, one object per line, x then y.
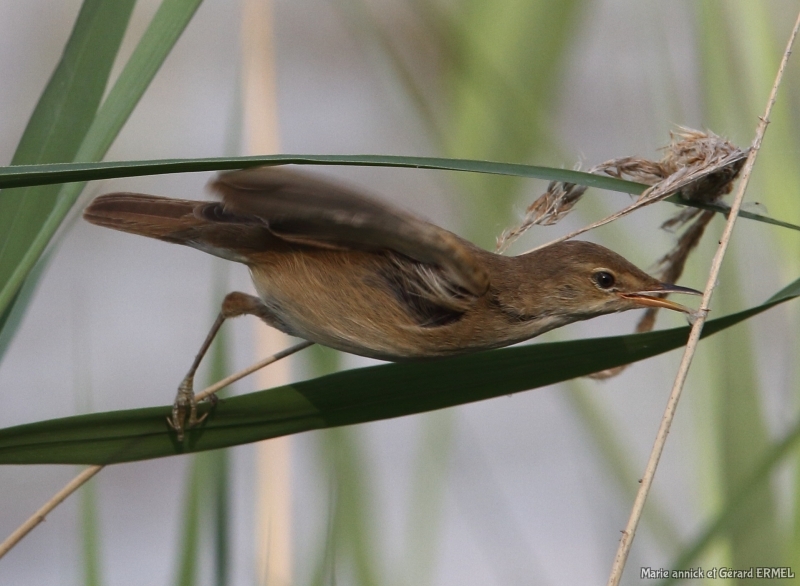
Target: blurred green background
{"type": "Point", "coordinates": [528, 489]}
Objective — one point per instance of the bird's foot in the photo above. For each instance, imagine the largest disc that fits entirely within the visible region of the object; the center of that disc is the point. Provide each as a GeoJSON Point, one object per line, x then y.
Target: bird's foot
{"type": "Point", "coordinates": [184, 409]}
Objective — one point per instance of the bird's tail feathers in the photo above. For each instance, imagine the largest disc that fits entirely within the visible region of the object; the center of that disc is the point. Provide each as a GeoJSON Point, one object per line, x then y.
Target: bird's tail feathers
{"type": "Point", "coordinates": [145, 215]}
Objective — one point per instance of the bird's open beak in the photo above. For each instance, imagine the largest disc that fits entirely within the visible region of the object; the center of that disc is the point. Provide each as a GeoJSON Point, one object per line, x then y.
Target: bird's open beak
{"type": "Point", "coordinates": [647, 299]}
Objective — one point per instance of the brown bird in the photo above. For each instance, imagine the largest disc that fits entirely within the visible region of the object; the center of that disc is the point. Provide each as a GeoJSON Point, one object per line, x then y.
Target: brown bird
{"type": "Point", "coordinates": [336, 267]}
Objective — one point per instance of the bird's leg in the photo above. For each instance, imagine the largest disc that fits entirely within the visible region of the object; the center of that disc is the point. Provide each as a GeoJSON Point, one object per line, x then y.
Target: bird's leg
{"type": "Point", "coordinates": [184, 409]}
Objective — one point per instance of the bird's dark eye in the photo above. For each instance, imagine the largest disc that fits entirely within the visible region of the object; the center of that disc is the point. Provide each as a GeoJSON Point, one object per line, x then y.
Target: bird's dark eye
{"type": "Point", "coordinates": [604, 279]}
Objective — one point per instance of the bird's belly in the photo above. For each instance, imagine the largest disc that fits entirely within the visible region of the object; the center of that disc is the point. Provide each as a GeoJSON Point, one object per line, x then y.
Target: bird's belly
{"type": "Point", "coordinates": [339, 300]}
{"type": "Point", "coordinates": [334, 299]}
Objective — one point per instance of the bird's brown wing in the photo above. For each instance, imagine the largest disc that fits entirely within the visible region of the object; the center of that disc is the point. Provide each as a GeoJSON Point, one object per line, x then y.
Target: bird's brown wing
{"type": "Point", "coordinates": [302, 209]}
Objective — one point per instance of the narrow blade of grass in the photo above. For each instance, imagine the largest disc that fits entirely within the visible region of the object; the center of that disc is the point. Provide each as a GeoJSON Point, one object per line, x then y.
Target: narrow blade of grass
{"type": "Point", "coordinates": [23, 175]}
{"type": "Point", "coordinates": [344, 398]}
{"type": "Point", "coordinates": [57, 126]}
{"type": "Point", "coordinates": [33, 229]}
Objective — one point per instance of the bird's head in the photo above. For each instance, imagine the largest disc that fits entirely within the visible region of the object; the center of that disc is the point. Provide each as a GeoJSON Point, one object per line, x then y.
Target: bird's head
{"type": "Point", "coordinates": [586, 280]}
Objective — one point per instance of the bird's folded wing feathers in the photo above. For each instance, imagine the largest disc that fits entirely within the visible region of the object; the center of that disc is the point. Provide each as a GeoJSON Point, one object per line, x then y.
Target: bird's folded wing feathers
{"type": "Point", "coordinates": [303, 209]}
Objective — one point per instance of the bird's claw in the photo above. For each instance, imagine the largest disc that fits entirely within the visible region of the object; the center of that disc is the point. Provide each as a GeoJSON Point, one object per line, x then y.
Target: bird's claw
{"type": "Point", "coordinates": [184, 409]}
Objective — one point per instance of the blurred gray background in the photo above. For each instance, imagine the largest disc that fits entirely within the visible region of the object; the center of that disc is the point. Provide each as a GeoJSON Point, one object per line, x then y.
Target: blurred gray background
{"type": "Point", "coordinates": [116, 319]}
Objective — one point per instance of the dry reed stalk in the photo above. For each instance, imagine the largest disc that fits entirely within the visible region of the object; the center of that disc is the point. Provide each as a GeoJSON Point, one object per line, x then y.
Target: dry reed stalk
{"type": "Point", "coordinates": [626, 541]}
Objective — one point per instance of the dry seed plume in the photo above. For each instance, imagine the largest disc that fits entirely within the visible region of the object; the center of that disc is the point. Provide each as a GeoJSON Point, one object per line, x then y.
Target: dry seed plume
{"type": "Point", "coordinates": [698, 166]}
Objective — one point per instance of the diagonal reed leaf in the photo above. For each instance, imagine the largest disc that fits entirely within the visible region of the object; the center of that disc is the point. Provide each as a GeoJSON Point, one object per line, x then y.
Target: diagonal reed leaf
{"type": "Point", "coordinates": [54, 132]}
{"type": "Point", "coordinates": [36, 215]}
{"type": "Point", "coordinates": [344, 398]}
